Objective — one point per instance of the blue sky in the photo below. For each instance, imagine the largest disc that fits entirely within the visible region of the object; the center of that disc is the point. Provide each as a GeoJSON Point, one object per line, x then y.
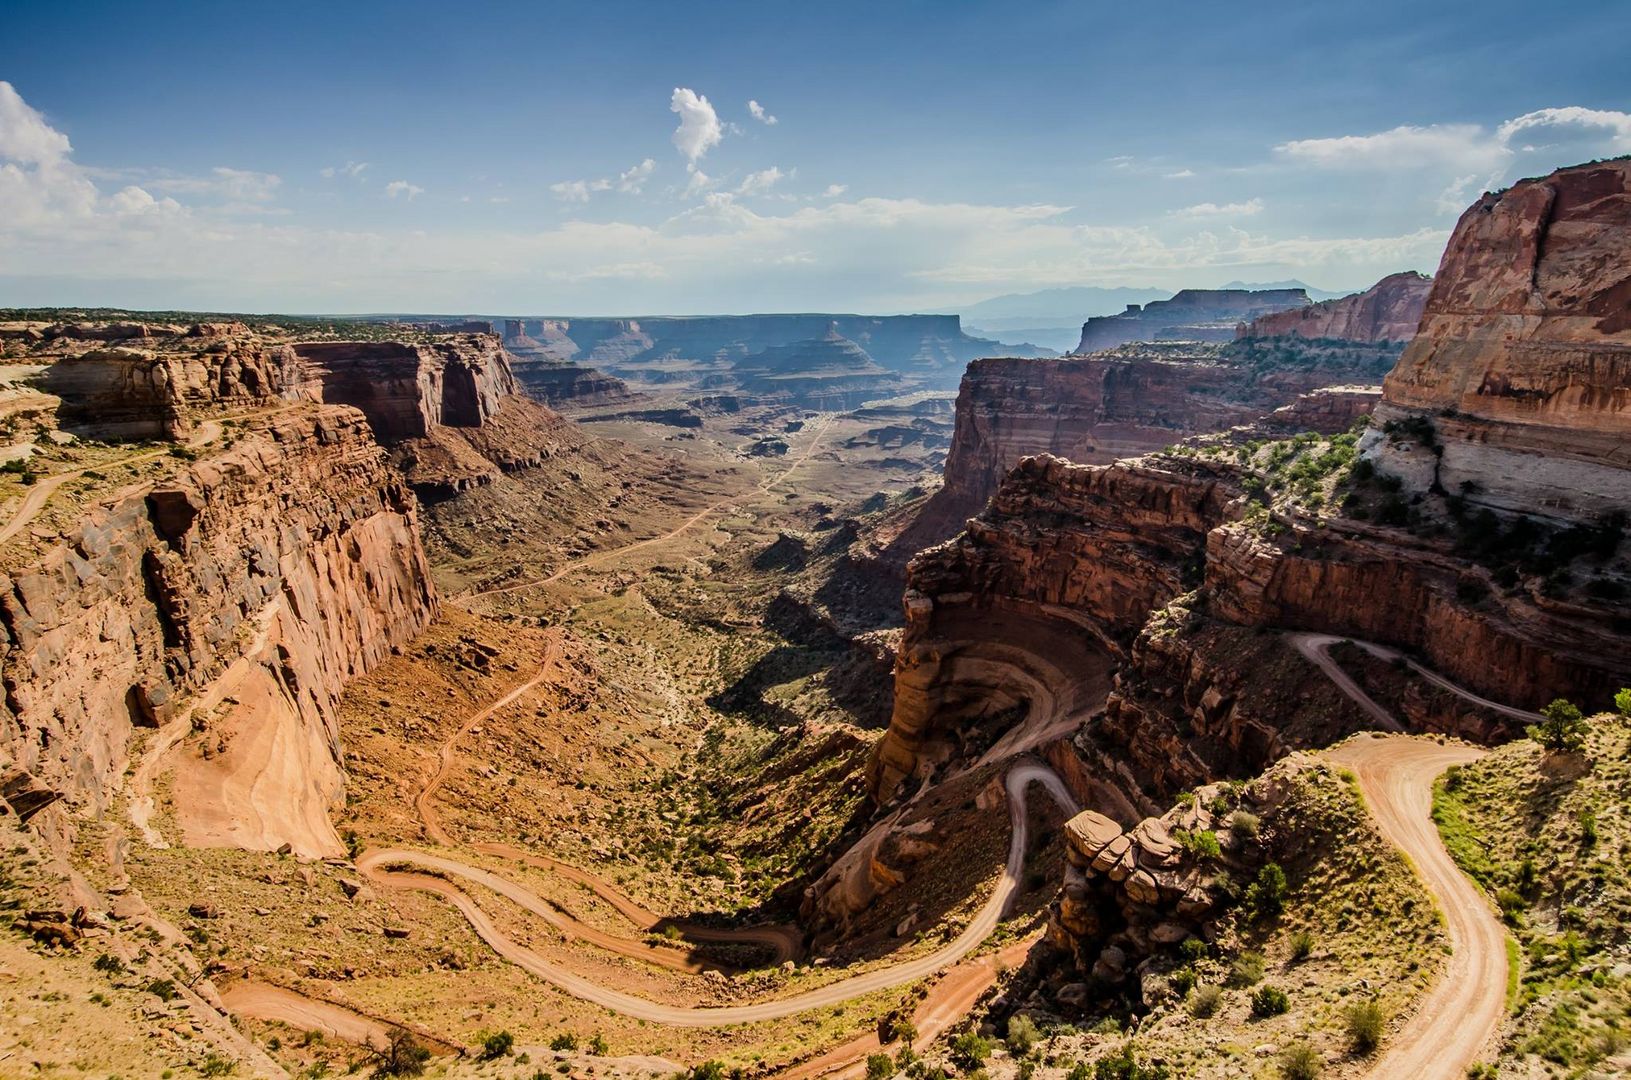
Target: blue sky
{"type": "Point", "coordinates": [605, 159]}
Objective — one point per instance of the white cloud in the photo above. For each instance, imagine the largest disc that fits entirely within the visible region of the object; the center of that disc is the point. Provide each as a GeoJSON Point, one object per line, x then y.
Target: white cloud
{"type": "Point", "coordinates": [353, 169]}
{"type": "Point", "coordinates": [698, 183]}
{"type": "Point", "coordinates": [632, 180]}
{"type": "Point", "coordinates": [759, 114]}
{"type": "Point", "coordinates": [1181, 174]}
{"type": "Point", "coordinates": [760, 183]}
{"type": "Point", "coordinates": [25, 137]}
{"type": "Point", "coordinates": [699, 129]}
{"type": "Point", "coordinates": [1249, 208]}
{"type": "Point", "coordinates": [834, 190]}
{"type": "Point", "coordinates": [402, 187]}
{"type": "Point", "coordinates": [1568, 134]}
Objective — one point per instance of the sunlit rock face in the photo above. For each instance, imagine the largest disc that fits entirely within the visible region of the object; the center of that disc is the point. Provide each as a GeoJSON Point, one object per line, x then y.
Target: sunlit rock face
{"type": "Point", "coordinates": [1521, 372]}
{"type": "Point", "coordinates": [1390, 310]}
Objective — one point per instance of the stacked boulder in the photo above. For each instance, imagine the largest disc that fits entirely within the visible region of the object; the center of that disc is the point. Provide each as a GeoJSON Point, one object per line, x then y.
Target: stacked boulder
{"type": "Point", "coordinates": [1132, 895]}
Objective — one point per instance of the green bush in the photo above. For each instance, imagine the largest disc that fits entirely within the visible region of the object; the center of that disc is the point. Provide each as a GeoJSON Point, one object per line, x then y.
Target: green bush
{"type": "Point", "coordinates": [969, 1050]}
{"type": "Point", "coordinates": [1365, 1026]}
{"type": "Point", "coordinates": [1205, 1002]}
{"type": "Point", "coordinates": [1122, 1065]}
{"type": "Point", "coordinates": [1192, 949]}
{"type": "Point", "coordinates": [1622, 702]}
{"type": "Point", "coordinates": [1269, 1001]}
{"type": "Point", "coordinates": [1245, 825]}
{"type": "Point", "coordinates": [1202, 842]}
{"type": "Point", "coordinates": [497, 1044]}
{"type": "Point", "coordinates": [1247, 970]}
{"type": "Point", "coordinates": [879, 1067]}
{"type": "Point", "coordinates": [1302, 945]}
{"type": "Point", "coordinates": [1266, 897]}
{"type": "Point", "coordinates": [1023, 1034]}
{"type": "Point", "coordinates": [1563, 727]}
{"type": "Point", "coordinates": [1299, 1061]}
{"type": "Point", "coordinates": [400, 1056]}
{"type": "Point", "coordinates": [564, 1041]}
{"type": "Point", "coordinates": [598, 1045]}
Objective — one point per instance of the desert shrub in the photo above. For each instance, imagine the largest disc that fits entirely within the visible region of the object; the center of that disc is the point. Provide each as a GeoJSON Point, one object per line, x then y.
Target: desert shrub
{"type": "Point", "coordinates": [496, 1044]}
{"type": "Point", "coordinates": [1245, 825]}
{"type": "Point", "coordinates": [216, 1065]}
{"type": "Point", "coordinates": [1588, 828]}
{"type": "Point", "coordinates": [1122, 1065]}
{"type": "Point", "coordinates": [1247, 969]}
{"type": "Point", "coordinates": [1269, 1001]}
{"type": "Point", "coordinates": [879, 1067]}
{"type": "Point", "coordinates": [1365, 1025]}
{"type": "Point", "coordinates": [1202, 842]}
{"type": "Point", "coordinates": [1622, 702]}
{"type": "Point", "coordinates": [109, 964]}
{"type": "Point", "coordinates": [163, 989]}
{"type": "Point", "coordinates": [400, 1056]}
{"type": "Point", "coordinates": [1299, 1061]}
{"type": "Point", "coordinates": [969, 1050]}
{"type": "Point", "coordinates": [564, 1041]}
{"type": "Point", "coordinates": [598, 1045]}
{"type": "Point", "coordinates": [1266, 897]}
{"type": "Point", "coordinates": [1512, 905]}
{"type": "Point", "coordinates": [1023, 1034]}
{"type": "Point", "coordinates": [1563, 727]}
{"type": "Point", "coordinates": [1192, 949]}
{"type": "Point", "coordinates": [1182, 981]}
{"type": "Point", "coordinates": [1302, 945]}
{"type": "Point", "coordinates": [708, 1070]}
{"type": "Point", "coordinates": [1205, 1002]}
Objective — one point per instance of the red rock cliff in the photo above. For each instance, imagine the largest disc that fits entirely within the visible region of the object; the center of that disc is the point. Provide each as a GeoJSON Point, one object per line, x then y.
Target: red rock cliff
{"type": "Point", "coordinates": [1523, 360]}
{"type": "Point", "coordinates": [1387, 311]}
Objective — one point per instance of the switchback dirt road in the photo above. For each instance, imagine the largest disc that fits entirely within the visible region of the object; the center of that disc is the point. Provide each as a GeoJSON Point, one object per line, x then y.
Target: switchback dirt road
{"type": "Point", "coordinates": [1449, 1029]}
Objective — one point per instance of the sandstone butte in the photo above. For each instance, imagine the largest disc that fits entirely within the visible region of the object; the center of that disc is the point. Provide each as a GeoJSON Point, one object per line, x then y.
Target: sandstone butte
{"type": "Point", "coordinates": [1390, 310]}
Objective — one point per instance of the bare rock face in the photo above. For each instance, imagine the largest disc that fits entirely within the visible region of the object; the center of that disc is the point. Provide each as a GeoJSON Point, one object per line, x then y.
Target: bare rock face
{"type": "Point", "coordinates": [1523, 360]}
{"type": "Point", "coordinates": [1120, 404]}
{"type": "Point", "coordinates": [405, 390]}
{"type": "Point", "coordinates": [237, 599]}
{"type": "Point", "coordinates": [1191, 315]}
{"type": "Point", "coordinates": [1387, 311]}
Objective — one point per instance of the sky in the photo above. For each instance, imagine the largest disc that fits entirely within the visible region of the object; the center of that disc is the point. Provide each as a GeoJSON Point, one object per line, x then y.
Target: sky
{"type": "Point", "coordinates": [675, 158]}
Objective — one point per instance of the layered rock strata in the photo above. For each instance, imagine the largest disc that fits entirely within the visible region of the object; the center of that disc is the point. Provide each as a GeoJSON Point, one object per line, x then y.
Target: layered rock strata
{"type": "Point", "coordinates": [1191, 315]}
{"type": "Point", "coordinates": [1390, 310]}
{"type": "Point", "coordinates": [1522, 367]}
{"type": "Point", "coordinates": [236, 599]}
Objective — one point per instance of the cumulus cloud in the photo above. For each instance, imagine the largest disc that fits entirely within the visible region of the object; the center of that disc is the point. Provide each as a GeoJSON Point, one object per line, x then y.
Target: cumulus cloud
{"type": "Point", "coordinates": [761, 182]}
{"type": "Point", "coordinates": [352, 169]}
{"type": "Point", "coordinates": [1249, 208]}
{"type": "Point", "coordinates": [1570, 133]}
{"type": "Point", "coordinates": [403, 188]}
{"type": "Point", "coordinates": [632, 181]}
{"type": "Point", "coordinates": [698, 183]}
{"type": "Point", "coordinates": [25, 137]}
{"type": "Point", "coordinates": [699, 130]}
{"type": "Point", "coordinates": [758, 112]}
{"type": "Point", "coordinates": [834, 190]}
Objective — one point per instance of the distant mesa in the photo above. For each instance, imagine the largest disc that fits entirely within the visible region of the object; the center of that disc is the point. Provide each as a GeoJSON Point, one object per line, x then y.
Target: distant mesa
{"type": "Point", "coordinates": [1390, 310]}
{"type": "Point", "coordinates": [1191, 315]}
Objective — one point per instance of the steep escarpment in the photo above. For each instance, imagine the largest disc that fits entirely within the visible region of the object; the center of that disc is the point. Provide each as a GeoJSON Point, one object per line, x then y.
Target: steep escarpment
{"type": "Point", "coordinates": [1522, 368]}
{"type": "Point", "coordinates": [1191, 315]}
{"type": "Point", "coordinates": [406, 389]}
{"type": "Point", "coordinates": [236, 599]}
{"type": "Point", "coordinates": [1123, 403]}
{"type": "Point", "coordinates": [1390, 310]}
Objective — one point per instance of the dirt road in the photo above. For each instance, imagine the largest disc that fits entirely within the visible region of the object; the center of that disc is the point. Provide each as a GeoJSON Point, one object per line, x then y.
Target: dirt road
{"type": "Point", "coordinates": [1449, 1029]}
{"type": "Point", "coordinates": [379, 866]}
{"type": "Point", "coordinates": [628, 549]}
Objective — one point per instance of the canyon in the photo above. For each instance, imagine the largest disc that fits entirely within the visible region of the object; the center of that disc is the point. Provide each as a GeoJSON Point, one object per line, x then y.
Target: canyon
{"type": "Point", "coordinates": [768, 708]}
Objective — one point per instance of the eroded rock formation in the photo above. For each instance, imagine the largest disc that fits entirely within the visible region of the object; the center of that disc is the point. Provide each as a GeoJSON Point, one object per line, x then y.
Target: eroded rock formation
{"type": "Point", "coordinates": [237, 598]}
{"type": "Point", "coordinates": [1390, 310]}
{"type": "Point", "coordinates": [1522, 367]}
{"type": "Point", "coordinates": [1191, 315]}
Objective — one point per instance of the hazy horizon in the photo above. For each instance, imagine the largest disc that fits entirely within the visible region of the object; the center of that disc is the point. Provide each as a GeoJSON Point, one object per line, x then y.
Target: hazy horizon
{"type": "Point", "coordinates": [741, 159]}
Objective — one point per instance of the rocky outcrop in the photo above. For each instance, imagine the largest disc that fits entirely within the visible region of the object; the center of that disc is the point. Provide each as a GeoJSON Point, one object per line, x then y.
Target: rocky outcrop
{"type": "Point", "coordinates": [1191, 315]}
{"type": "Point", "coordinates": [828, 373]}
{"type": "Point", "coordinates": [1387, 311]}
{"type": "Point", "coordinates": [238, 598]}
{"type": "Point", "coordinates": [1523, 361]}
{"type": "Point", "coordinates": [1120, 404]}
{"type": "Point", "coordinates": [406, 389]}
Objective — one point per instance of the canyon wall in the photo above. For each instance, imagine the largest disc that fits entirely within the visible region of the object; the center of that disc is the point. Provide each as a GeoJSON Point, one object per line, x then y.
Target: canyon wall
{"type": "Point", "coordinates": [1123, 403]}
{"type": "Point", "coordinates": [236, 598]}
{"type": "Point", "coordinates": [1390, 310]}
{"type": "Point", "coordinates": [1191, 315]}
{"type": "Point", "coordinates": [1523, 363]}
{"type": "Point", "coordinates": [897, 342]}
{"type": "Point", "coordinates": [406, 389]}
